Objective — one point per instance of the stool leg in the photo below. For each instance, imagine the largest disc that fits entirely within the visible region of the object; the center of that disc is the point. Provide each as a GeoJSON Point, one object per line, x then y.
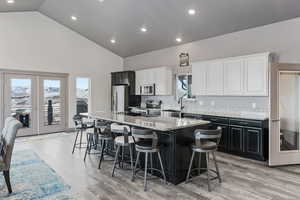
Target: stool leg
{"type": "Point", "coordinates": [88, 147]}
{"type": "Point", "coordinates": [217, 168]}
{"type": "Point", "coordinates": [207, 168]}
{"type": "Point", "coordinates": [115, 161]}
{"type": "Point", "coordinates": [162, 168]}
{"type": "Point", "coordinates": [190, 167]}
{"type": "Point", "coordinates": [136, 162]}
{"type": "Point", "coordinates": [146, 169]}
{"type": "Point", "coordinates": [75, 142]}
{"type": "Point", "coordinates": [199, 164]}
{"type": "Point", "coordinates": [151, 164]}
{"type": "Point", "coordinates": [81, 132]}
{"type": "Point", "coordinates": [131, 156]}
{"type": "Point", "coordinates": [101, 155]}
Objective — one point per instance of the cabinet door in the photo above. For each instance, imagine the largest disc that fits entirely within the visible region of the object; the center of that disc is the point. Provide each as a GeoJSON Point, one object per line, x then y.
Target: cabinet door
{"type": "Point", "coordinates": [234, 77]}
{"type": "Point", "coordinates": [256, 76]}
{"type": "Point", "coordinates": [253, 141]}
{"type": "Point", "coordinates": [163, 79]}
{"type": "Point", "coordinates": [199, 78]}
{"type": "Point", "coordinates": [236, 139]}
{"type": "Point", "coordinates": [214, 78]}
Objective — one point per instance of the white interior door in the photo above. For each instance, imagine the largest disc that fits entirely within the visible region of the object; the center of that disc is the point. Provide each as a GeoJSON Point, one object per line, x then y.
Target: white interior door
{"type": "Point", "coordinates": [285, 115]}
{"type": "Point", "coordinates": [20, 101]}
{"type": "Point", "coordinates": [52, 104]}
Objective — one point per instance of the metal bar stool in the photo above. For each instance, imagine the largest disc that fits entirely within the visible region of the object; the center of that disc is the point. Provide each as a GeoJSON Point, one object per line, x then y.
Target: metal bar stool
{"type": "Point", "coordinates": [121, 142]}
{"type": "Point", "coordinates": [80, 127]}
{"type": "Point", "coordinates": [206, 141]}
{"type": "Point", "coordinates": [104, 136]}
{"type": "Point", "coordinates": [93, 137]}
{"type": "Point", "coordinates": [146, 142]}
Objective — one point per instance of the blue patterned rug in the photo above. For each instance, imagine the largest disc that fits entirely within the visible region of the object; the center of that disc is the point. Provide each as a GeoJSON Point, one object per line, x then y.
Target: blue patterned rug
{"type": "Point", "coordinates": [33, 179]}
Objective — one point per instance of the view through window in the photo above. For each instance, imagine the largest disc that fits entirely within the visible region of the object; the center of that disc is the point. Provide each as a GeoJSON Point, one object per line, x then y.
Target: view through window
{"type": "Point", "coordinates": [82, 94]}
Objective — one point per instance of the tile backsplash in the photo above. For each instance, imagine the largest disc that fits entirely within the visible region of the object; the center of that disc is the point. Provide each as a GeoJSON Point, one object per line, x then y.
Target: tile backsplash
{"type": "Point", "coordinates": [215, 104]}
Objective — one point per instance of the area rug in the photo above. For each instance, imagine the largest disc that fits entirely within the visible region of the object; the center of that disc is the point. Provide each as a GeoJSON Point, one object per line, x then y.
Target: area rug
{"type": "Point", "coordinates": [33, 179]}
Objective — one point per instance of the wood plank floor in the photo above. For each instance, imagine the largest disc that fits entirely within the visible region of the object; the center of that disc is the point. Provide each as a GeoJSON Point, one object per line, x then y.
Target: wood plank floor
{"type": "Point", "coordinates": [242, 178]}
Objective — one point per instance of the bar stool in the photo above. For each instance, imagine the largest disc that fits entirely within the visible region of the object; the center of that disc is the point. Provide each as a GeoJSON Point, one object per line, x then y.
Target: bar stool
{"type": "Point", "coordinates": [206, 141]}
{"type": "Point", "coordinates": [121, 142]}
{"type": "Point", "coordinates": [104, 136]}
{"type": "Point", "coordinates": [93, 137]}
{"type": "Point", "coordinates": [80, 127]}
{"type": "Point", "coordinates": [146, 142]}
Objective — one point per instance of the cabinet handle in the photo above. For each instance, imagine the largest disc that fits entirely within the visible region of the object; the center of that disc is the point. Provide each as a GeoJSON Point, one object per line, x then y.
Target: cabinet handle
{"type": "Point", "coordinates": [244, 123]}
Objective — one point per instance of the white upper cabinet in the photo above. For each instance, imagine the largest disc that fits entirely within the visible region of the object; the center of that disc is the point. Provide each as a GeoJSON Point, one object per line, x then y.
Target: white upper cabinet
{"type": "Point", "coordinates": [162, 77]}
{"type": "Point", "coordinates": [214, 78]}
{"type": "Point", "coordinates": [199, 82]}
{"type": "Point", "coordinates": [256, 75]}
{"type": "Point", "coordinates": [238, 76]}
{"type": "Point", "coordinates": [234, 77]}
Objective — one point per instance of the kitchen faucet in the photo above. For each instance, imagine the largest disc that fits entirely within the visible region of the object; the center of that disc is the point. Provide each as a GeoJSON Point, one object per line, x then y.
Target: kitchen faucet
{"type": "Point", "coordinates": [180, 101]}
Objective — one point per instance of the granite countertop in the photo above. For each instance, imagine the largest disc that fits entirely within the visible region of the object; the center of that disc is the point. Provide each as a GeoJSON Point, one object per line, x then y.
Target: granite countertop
{"type": "Point", "coordinates": [241, 115]}
{"type": "Point", "coordinates": [154, 123]}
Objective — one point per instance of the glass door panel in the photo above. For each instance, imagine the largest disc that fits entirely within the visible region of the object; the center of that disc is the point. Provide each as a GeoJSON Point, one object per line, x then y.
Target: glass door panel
{"type": "Point", "coordinates": [289, 87]}
{"type": "Point", "coordinates": [20, 102]}
{"type": "Point", "coordinates": [52, 103]}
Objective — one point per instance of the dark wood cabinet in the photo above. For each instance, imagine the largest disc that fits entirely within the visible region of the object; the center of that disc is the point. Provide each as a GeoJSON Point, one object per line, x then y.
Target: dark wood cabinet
{"type": "Point", "coordinates": [124, 78]}
{"type": "Point", "coordinates": [253, 142]}
{"type": "Point", "coordinates": [243, 137]}
{"type": "Point", "coordinates": [236, 141]}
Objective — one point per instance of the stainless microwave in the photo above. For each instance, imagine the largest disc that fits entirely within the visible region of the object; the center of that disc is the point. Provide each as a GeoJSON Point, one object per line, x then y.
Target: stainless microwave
{"type": "Point", "coordinates": [148, 89]}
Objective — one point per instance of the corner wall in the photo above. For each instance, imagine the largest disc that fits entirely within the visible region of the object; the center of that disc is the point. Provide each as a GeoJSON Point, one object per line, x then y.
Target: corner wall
{"type": "Point", "coordinates": [32, 41]}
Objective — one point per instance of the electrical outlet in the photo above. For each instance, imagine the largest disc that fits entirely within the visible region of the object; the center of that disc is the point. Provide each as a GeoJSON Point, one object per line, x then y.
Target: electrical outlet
{"type": "Point", "coordinates": [201, 103]}
{"type": "Point", "coordinates": [254, 105]}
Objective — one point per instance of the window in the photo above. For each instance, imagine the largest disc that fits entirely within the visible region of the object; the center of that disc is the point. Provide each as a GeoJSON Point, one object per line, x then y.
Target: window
{"type": "Point", "coordinates": [82, 95]}
{"type": "Point", "coordinates": [183, 87]}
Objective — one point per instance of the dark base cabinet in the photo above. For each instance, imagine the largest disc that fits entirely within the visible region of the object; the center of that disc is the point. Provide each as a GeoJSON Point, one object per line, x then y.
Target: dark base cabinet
{"type": "Point", "coordinates": [243, 137]}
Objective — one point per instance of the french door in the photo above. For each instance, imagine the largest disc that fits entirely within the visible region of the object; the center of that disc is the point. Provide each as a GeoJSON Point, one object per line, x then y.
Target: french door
{"type": "Point", "coordinates": [284, 115]}
{"type": "Point", "coordinates": [20, 101]}
{"type": "Point", "coordinates": [52, 104]}
{"type": "Point", "coordinates": [38, 101]}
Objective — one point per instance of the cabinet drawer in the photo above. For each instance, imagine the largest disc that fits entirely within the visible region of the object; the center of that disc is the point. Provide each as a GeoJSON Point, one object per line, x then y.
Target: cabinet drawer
{"type": "Point", "coordinates": [219, 120]}
{"type": "Point", "coordinates": [248, 123]}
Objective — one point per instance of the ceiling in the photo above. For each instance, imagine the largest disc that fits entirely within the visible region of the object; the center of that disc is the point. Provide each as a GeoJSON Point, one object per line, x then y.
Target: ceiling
{"type": "Point", "coordinates": [165, 20]}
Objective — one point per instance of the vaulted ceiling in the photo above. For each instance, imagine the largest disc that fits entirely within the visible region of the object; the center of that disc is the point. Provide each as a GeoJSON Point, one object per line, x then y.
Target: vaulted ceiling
{"type": "Point", "coordinates": [165, 20]}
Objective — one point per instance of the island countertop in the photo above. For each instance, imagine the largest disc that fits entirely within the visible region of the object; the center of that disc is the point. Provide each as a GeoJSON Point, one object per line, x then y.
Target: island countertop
{"type": "Point", "coordinates": [155, 123]}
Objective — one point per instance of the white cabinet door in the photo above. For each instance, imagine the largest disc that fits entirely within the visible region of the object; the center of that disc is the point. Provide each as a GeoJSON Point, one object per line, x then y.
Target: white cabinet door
{"type": "Point", "coordinates": [214, 78]}
{"type": "Point", "coordinates": [163, 77]}
{"type": "Point", "coordinates": [199, 78]}
{"type": "Point", "coordinates": [234, 77]}
{"type": "Point", "coordinates": [256, 75]}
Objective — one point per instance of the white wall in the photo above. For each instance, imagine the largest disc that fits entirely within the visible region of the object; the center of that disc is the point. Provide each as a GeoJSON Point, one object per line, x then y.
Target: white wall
{"type": "Point", "coordinates": [32, 41]}
{"type": "Point", "coordinates": [282, 38]}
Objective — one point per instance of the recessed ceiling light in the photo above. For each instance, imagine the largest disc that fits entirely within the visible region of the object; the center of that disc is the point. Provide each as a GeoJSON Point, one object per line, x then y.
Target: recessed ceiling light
{"type": "Point", "coordinates": [178, 39]}
{"type": "Point", "coordinates": [113, 41]}
{"type": "Point", "coordinates": [101, 1]}
{"type": "Point", "coordinates": [192, 12]}
{"type": "Point", "coordinates": [10, 1]}
{"type": "Point", "coordinates": [74, 18]}
{"type": "Point", "coordinates": [143, 29]}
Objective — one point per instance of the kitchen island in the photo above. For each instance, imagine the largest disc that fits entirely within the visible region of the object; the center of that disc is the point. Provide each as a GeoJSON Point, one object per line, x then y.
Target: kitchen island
{"type": "Point", "coordinates": [175, 138]}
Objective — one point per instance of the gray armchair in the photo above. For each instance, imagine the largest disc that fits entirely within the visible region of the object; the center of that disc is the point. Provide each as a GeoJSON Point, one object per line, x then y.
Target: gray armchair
{"type": "Point", "coordinates": [7, 139]}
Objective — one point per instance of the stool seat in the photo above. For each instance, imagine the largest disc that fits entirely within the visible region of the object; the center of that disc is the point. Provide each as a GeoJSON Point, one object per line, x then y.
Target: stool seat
{"type": "Point", "coordinates": [144, 145]}
{"type": "Point", "coordinates": [120, 140]}
{"type": "Point", "coordinates": [117, 128]}
{"type": "Point", "coordinates": [206, 146]}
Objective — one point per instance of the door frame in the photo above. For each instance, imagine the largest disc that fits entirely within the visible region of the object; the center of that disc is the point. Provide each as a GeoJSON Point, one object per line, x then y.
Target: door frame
{"type": "Point", "coordinates": [63, 87]}
{"type": "Point", "coordinates": [277, 157]}
{"type": "Point", "coordinates": [33, 129]}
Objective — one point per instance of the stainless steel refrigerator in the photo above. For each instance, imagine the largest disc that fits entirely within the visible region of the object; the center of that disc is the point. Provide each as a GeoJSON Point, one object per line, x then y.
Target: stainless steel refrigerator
{"type": "Point", "coordinates": [119, 99]}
